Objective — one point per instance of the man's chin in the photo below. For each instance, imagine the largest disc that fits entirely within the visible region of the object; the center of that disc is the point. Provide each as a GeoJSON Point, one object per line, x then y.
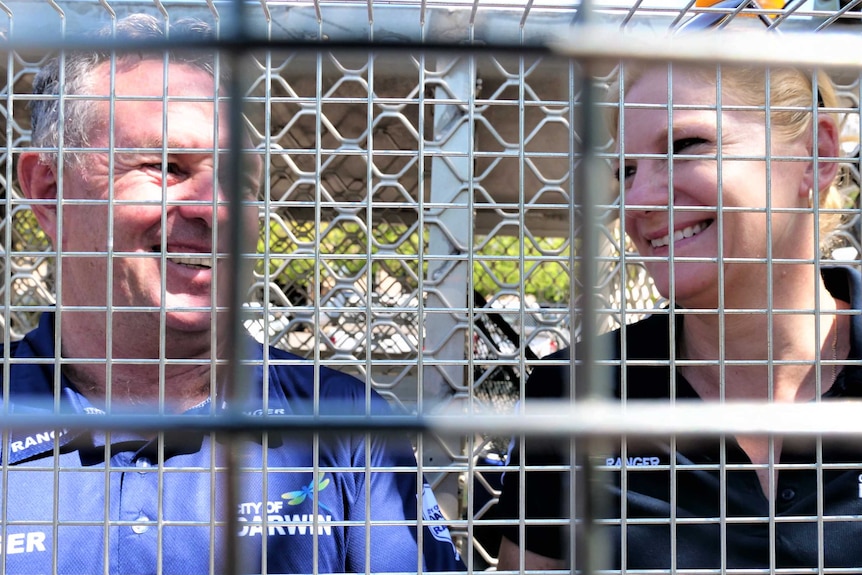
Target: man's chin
{"type": "Point", "coordinates": [189, 321]}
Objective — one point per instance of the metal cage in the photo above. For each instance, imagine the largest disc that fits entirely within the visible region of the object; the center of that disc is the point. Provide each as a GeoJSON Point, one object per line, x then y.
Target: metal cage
{"type": "Point", "coordinates": [422, 213]}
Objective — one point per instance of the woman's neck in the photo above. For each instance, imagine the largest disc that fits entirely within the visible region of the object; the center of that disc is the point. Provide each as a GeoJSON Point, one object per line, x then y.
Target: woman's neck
{"type": "Point", "coordinates": [766, 355]}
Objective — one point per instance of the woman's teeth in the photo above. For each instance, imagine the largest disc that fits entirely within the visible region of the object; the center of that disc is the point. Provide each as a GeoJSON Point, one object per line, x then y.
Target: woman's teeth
{"type": "Point", "coordinates": [681, 234]}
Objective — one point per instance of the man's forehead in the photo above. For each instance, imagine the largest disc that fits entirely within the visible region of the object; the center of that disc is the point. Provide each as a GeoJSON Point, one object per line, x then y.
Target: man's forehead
{"type": "Point", "coordinates": [130, 76]}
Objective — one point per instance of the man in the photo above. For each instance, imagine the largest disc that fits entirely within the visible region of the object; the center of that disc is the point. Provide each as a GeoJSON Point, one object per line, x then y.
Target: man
{"type": "Point", "coordinates": [134, 206]}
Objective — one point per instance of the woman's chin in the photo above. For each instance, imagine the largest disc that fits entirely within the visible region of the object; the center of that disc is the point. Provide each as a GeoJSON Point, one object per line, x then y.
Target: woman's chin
{"type": "Point", "coordinates": [693, 283]}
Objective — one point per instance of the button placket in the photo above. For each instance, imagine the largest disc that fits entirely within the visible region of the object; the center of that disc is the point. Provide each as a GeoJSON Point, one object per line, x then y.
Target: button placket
{"type": "Point", "coordinates": [138, 540]}
{"type": "Point", "coordinates": [139, 495]}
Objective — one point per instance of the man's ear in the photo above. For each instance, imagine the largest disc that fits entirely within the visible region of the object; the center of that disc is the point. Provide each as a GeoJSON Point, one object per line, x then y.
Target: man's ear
{"type": "Point", "coordinates": [827, 150]}
{"type": "Point", "coordinates": [38, 181]}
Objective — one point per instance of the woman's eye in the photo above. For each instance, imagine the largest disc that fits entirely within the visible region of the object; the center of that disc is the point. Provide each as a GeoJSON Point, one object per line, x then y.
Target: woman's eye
{"type": "Point", "coordinates": [624, 173]}
{"type": "Point", "coordinates": [679, 146]}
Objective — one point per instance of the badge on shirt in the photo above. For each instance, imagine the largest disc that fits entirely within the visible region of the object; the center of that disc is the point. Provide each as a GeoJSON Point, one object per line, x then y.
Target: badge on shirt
{"type": "Point", "coordinates": [431, 512]}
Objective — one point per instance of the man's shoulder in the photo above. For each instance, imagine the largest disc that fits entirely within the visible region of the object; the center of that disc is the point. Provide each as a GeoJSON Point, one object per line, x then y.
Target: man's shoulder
{"type": "Point", "coordinates": [38, 342]}
{"type": "Point", "coordinates": [299, 378]}
{"type": "Point", "coordinates": [33, 379]}
{"type": "Point", "coordinates": [13, 348]}
{"type": "Point", "coordinates": [302, 371]}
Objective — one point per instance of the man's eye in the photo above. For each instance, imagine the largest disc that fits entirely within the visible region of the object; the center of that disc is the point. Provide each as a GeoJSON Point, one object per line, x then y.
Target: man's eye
{"type": "Point", "coordinates": [250, 190]}
{"type": "Point", "coordinates": [169, 168]}
{"type": "Point", "coordinates": [679, 146]}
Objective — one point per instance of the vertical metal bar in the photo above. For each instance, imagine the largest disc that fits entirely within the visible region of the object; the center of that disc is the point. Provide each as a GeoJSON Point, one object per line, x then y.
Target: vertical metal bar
{"type": "Point", "coordinates": [448, 258]}
{"type": "Point", "coordinates": [7, 264]}
{"type": "Point", "coordinates": [112, 78]}
{"type": "Point", "coordinates": [620, 95]}
{"type": "Point", "coordinates": [58, 249]}
{"type": "Point", "coordinates": [770, 322]}
{"type": "Point", "coordinates": [265, 223]}
{"type": "Point", "coordinates": [594, 379]}
{"type": "Point", "coordinates": [163, 289]}
{"type": "Point", "coordinates": [672, 320]}
{"type": "Point", "coordinates": [522, 470]}
{"type": "Point", "coordinates": [818, 336]}
{"type": "Point", "coordinates": [420, 312]}
{"type": "Point", "coordinates": [593, 382]}
{"type": "Point", "coordinates": [369, 281]}
{"type": "Point", "coordinates": [238, 380]}
{"type": "Point", "coordinates": [318, 195]}
{"type": "Point", "coordinates": [719, 166]}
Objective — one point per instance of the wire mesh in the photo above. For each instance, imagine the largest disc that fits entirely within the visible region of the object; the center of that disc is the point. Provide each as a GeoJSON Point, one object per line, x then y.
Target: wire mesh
{"type": "Point", "coordinates": [420, 212]}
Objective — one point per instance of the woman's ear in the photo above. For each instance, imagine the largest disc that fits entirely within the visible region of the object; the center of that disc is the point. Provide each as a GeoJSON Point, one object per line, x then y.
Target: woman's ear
{"type": "Point", "coordinates": [38, 181]}
{"type": "Point", "coordinates": [828, 149]}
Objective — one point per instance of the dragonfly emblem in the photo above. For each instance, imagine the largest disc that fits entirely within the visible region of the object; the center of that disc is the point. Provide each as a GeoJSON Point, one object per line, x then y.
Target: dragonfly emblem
{"type": "Point", "coordinates": [307, 492]}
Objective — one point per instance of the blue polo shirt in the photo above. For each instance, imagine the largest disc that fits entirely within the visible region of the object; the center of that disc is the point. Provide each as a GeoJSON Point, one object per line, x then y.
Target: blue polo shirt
{"type": "Point", "coordinates": [90, 502]}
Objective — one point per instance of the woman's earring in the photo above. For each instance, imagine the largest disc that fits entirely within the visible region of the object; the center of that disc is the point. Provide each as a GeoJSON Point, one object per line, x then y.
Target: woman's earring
{"type": "Point", "coordinates": [810, 197]}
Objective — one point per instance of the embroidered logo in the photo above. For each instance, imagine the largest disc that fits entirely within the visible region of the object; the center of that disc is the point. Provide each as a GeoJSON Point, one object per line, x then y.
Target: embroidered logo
{"type": "Point", "coordinates": [279, 519]}
{"type": "Point", "coordinates": [297, 497]}
{"type": "Point", "coordinates": [26, 542]}
{"type": "Point", "coordinates": [35, 440]}
{"type": "Point", "coordinates": [636, 461]}
{"type": "Point", "coordinates": [431, 512]}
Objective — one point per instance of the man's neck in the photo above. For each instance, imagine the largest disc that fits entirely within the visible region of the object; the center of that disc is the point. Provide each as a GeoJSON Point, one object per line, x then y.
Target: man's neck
{"type": "Point", "coordinates": [143, 386]}
{"type": "Point", "coordinates": [135, 373]}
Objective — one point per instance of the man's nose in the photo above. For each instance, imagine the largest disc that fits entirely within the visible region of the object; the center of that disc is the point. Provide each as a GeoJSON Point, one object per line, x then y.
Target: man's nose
{"type": "Point", "coordinates": [202, 198]}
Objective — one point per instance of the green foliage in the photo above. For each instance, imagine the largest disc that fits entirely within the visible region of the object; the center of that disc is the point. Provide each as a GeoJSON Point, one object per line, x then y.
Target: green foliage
{"type": "Point", "coordinates": [26, 233]}
{"type": "Point", "coordinates": [497, 262]}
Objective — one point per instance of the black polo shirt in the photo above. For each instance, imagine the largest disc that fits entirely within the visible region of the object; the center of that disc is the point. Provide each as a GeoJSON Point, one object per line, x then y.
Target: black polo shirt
{"type": "Point", "coordinates": [714, 500]}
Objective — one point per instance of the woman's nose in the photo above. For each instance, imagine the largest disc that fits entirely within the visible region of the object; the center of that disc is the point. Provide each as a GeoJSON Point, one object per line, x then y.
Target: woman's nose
{"type": "Point", "coordinates": [647, 188]}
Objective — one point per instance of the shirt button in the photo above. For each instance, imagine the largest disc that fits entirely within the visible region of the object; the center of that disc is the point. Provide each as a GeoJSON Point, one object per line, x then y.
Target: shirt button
{"type": "Point", "coordinates": [787, 494]}
{"type": "Point", "coordinates": [138, 529]}
{"type": "Point", "coordinates": [142, 464]}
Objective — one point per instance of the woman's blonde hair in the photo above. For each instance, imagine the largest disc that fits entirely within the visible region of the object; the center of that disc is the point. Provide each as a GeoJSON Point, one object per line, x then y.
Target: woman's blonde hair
{"type": "Point", "coordinates": [792, 92]}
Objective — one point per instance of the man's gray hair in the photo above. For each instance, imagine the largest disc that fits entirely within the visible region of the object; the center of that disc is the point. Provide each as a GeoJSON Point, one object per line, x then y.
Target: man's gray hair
{"type": "Point", "coordinates": [79, 117]}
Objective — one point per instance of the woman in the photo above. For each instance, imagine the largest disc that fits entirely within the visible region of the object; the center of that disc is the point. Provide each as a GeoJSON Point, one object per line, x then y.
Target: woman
{"type": "Point", "coordinates": [719, 203]}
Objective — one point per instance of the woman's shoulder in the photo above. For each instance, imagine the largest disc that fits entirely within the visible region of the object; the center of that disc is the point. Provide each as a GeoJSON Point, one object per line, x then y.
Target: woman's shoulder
{"type": "Point", "coordinates": [647, 338]}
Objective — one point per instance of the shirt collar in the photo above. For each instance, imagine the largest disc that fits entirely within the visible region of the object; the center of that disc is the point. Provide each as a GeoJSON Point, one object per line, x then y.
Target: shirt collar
{"type": "Point", "coordinates": [845, 283]}
{"type": "Point", "coordinates": [648, 339]}
{"type": "Point", "coordinates": [32, 389]}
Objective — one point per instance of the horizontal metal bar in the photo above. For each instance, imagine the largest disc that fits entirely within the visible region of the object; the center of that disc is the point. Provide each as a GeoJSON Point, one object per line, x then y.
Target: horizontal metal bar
{"type": "Point", "coordinates": [554, 418]}
{"type": "Point", "coordinates": [745, 46]}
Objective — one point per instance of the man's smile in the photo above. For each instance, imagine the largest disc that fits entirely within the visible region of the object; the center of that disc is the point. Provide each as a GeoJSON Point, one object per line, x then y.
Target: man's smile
{"type": "Point", "coordinates": [202, 262]}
